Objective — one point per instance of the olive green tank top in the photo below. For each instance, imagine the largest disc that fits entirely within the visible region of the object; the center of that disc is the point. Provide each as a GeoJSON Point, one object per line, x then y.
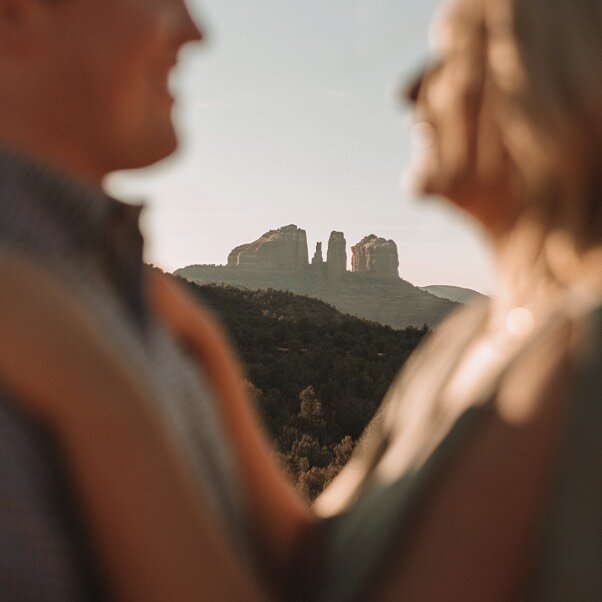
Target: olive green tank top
{"type": "Point", "coordinates": [569, 559]}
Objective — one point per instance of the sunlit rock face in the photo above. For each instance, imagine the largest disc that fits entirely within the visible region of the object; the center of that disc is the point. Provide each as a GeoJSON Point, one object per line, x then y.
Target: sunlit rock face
{"type": "Point", "coordinates": [233, 256]}
{"type": "Point", "coordinates": [336, 256]}
{"type": "Point", "coordinates": [282, 249]}
{"type": "Point", "coordinates": [375, 256]}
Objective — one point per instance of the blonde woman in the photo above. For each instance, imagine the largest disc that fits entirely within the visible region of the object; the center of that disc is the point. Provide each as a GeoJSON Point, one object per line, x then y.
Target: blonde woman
{"type": "Point", "coordinates": [486, 462]}
{"type": "Point", "coordinates": [480, 479]}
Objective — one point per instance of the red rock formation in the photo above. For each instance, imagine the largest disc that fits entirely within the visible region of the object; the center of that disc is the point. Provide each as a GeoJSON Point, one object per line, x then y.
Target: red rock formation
{"type": "Point", "coordinates": [278, 260]}
{"type": "Point", "coordinates": [336, 256]}
{"type": "Point", "coordinates": [233, 256]}
{"type": "Point", "coordinates": [375, 256]}
{"type": "Point", "coordinates": [282, 249]}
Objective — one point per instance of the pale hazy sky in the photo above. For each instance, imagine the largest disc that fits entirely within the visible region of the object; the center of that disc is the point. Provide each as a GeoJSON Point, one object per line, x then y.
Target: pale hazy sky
{"type": "Point", "coordinates": [286, 117]}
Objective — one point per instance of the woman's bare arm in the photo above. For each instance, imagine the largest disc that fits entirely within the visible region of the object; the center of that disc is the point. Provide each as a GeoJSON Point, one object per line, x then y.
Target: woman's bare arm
{"type": "Point", "coordinates": [475, 535]}
{"type": "Point", "coordinates": [153, 536]}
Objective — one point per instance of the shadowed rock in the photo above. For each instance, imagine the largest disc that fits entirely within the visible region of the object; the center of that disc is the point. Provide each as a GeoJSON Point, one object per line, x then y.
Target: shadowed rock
{"type": "Point", "coordinates": [336, 256]}
{"type": "Point", "coordinates": [318, 259]}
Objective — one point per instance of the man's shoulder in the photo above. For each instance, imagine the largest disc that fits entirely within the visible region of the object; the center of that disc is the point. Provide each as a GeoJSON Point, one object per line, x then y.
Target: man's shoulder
{"type": "Point", "coordinates": [47, 331]}
{"type": "Point", "coordinates": [25, 279]}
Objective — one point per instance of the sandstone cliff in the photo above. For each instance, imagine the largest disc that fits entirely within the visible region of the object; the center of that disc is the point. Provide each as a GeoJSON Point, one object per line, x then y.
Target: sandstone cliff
{"type": "Point", "coordinates": [234, 253]}
{"type": "Point", "coordinates": [283, 249]}
{"type": "Point", "coordinates": [373, 290]}
{"type": "Point", "coordinates": [375, 256]}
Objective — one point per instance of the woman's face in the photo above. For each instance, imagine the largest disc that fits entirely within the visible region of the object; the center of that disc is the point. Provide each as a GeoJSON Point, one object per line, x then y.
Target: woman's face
{"type": "Point", "coordinates": [459, 153]}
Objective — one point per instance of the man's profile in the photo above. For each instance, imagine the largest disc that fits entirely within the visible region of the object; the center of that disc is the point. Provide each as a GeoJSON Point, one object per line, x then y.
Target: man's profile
{"type": "Point", "coordinates": [84, 91]}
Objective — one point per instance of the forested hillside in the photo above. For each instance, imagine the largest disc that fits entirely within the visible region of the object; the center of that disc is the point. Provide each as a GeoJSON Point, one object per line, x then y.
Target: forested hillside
{"type": "Point", "coordinates": [317, 375]}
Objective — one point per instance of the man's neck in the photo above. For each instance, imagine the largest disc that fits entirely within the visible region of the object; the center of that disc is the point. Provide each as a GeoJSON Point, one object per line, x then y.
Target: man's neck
{"type": "Point", "coordinates": [59, 152]}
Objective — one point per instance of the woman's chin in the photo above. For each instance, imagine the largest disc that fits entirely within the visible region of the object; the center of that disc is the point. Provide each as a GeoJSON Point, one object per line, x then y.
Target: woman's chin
{"type": "Point", "coordinates": [420, 181]}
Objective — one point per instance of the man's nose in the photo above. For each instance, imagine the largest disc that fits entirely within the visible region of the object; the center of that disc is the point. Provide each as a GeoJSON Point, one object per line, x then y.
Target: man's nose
{"type": "Point", "coordinates": [190, 29]}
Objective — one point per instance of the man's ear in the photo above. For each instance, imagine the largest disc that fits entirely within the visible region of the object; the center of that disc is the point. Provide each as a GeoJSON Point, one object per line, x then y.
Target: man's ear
{"type": "Point", "coordinates": [19, 24]}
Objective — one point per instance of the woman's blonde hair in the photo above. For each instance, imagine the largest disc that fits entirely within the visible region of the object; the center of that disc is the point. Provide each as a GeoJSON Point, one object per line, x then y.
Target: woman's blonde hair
{"type": "Point", "coordinates": [544, 58]}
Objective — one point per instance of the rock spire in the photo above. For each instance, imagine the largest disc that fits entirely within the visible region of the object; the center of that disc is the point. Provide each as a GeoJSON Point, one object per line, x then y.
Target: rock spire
{"type": "Point", "coordinates": [336, 256]}
{"type": "Point", "coordinates": [318, 259]}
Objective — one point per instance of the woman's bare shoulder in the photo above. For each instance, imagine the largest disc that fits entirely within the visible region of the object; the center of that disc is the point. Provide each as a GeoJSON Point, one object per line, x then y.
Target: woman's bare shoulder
{"type": "Point", "coordinates": [555, 367]}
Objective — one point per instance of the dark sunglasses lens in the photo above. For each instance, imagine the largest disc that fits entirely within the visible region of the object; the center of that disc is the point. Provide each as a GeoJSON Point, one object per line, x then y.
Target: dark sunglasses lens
{"type": "Point", "coordinates": [409, 89]}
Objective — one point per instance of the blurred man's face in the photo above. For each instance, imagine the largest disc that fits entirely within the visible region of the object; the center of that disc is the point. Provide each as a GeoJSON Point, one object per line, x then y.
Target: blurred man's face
{"type": "Point", "coordinates": [106, 68]}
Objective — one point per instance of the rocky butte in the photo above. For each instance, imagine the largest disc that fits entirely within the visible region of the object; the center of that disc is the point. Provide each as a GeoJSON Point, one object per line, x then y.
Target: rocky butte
{"type": "Point", "coordinates": [284, 249]}
{"type": "Point", "coordinates": [279, 259]}
{"type": "Point", "coordinates": [375, 256]}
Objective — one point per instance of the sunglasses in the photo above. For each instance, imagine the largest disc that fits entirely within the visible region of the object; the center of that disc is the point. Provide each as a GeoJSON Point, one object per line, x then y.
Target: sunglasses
{"type": "Point", "coordinates": [409, 90]}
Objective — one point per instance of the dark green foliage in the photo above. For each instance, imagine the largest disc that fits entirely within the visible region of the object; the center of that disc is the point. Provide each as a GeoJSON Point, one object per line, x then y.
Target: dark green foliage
{"type": "Point", "coordinates": [317, 376]}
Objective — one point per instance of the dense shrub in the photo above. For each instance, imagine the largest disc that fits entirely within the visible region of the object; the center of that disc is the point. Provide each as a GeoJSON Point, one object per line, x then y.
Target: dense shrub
{"type": "Point", "coordinates": [316, 375]}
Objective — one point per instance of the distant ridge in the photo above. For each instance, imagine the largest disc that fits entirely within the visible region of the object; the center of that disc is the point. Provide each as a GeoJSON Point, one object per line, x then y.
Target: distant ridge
{"type": "Point", "coordinates": [373, 290]}
{"type": "Point", "coordinates": [458, 294]}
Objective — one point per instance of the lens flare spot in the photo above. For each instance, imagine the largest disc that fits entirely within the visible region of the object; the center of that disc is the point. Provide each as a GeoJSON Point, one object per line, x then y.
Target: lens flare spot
{"type": "Point", "coordinates": [519, 322]}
